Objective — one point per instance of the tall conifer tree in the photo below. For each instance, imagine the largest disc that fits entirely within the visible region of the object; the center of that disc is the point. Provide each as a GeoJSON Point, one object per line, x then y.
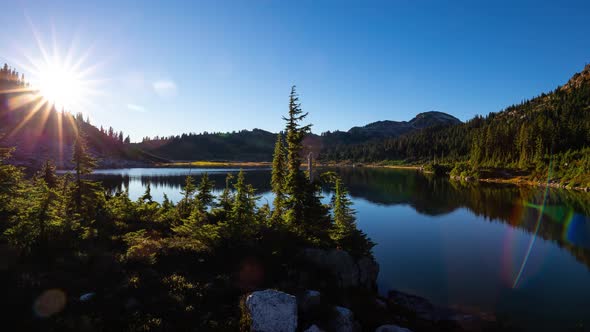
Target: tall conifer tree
{"type": "Point", "coordinates": [295, 178]}
{"type": "Point", "coordinates": [205, 195]}
{"type": "Point", "coordinates": [84, 163]}
{"type": "Point", "coordinates": [278, 179]}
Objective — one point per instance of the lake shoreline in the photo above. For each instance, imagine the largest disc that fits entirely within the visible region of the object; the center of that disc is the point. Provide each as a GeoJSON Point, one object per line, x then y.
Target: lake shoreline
{"type": "Point", "coordinates": [205, 163]}
{"type": "Point", "coordinates": [517, 180]}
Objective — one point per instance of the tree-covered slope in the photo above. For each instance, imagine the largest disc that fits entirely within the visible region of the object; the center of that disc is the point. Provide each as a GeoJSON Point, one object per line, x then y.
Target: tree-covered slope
{"type": "Point", "coordinates": [553, 128]}
{"type": "Point", "coordinates": [387, 129]}
{"type": "Point", "coordinates": [245, 145]}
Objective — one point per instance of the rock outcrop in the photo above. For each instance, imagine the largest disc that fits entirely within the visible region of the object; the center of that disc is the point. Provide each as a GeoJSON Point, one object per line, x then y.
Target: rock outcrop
{"type": "Point", "coordinates": [578, 80]}
{"type": "Point", "coordinates": [272, 311]}
{"type": "Point", "coordinates": [344, 320]}
{"type": "Point", "coordinates": [349, 272]}
{"type": "Point", "coordinates": [308, 301]}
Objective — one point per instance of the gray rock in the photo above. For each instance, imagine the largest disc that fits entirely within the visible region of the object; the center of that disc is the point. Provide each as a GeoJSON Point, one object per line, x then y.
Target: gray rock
{"type": "Point", "coordinates": [271, 310]}
{"type": "Point", "coordinates": [309, 300]}
{"type": "Point", "coordinates": [368, 272]}
{"type": "Point", "coordinates": [392, 328]}
{"type": "Point", "coordinates": [344, 320]}
{"type": "Point", "coordinates": [87, 297]}
{"type": "Point", "coordinates": [314, 328]}
{"type": "Point", "coordinates": [348, 271]}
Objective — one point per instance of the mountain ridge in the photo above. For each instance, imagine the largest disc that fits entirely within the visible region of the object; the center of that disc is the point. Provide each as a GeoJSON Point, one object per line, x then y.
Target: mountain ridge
{"type": "Point", "coordinates": [258, 144]}
{"type": "Point", "coordinates": [385, 128]}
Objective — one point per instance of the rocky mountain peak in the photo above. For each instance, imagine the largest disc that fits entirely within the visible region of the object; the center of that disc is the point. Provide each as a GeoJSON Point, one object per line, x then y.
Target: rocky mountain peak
{"type": "Point", "coordinates": [578, 79]}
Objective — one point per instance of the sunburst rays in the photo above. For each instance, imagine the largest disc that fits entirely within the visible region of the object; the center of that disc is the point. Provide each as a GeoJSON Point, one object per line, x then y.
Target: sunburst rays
{"type": "Point", "coordinates": [57, 81]}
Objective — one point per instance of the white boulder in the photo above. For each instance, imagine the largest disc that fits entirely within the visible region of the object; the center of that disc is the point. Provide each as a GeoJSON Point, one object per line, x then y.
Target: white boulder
{"type": "Point", "coordinates": [272, 311]}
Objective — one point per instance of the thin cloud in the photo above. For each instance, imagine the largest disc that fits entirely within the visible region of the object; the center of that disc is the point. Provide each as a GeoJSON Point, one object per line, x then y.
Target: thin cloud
{"type": "Point", "coordinates": [136, 108]}
{"type": "Point", "coordinates": [165, 88]}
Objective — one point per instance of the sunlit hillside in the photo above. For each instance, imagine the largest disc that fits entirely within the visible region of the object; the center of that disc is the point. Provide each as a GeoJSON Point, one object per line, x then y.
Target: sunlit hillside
{"type": "Point", "coordinates": [38, 131]}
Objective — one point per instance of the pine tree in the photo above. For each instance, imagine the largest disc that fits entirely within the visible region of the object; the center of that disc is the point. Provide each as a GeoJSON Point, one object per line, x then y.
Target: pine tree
{"type": "Point", "coordinates": [167, 204]}
{"type": "Point", "coordinates": [47, 173]}
{"type": "Point", "coordinates": [278, 180]}
{"type": "Point", "coordinates": [84, 163]}
{"type": "Point", "coordinates": [344, 231]}
{"type": "Point", "coordinates": [205, 195]}
{"type": "Point", "coordinates": [184, 206]}
{"type": "Point", "coordinates": [243, 208]}
{"type": "Point", "coordinates": [195, 228]}
{"type": "Point", "coordinates": [476, 151]}
{"type": "Point", "coordinates": [344, 219]}
{"type": "Point", "coordinates": [539, 149]}
{"type": "Point", "coordinates": [10, 183]}
{"type": "Point", "coordinates": [147, 195]}
{"type": "Point", "coordinates": [295, 179]}
{"type": "Point", "coordinates": [224, 207]}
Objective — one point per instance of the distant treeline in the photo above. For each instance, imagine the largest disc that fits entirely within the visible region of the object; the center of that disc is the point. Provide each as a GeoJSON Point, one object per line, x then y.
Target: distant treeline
{"type": "Point", "coordinates": [245, 145]}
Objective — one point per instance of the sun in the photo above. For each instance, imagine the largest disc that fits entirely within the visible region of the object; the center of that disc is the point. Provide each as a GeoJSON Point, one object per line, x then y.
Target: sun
{"type": "Point", "coordinates": [59, 85]}
{"type": "Point", "coordinates": [62, 77]}
{"type": "Point", "coordinates": [53, 79]}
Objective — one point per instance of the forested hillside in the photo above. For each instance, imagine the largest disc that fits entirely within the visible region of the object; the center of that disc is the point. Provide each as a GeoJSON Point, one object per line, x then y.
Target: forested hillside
{"type": "Point", "coordinates": [245, 145]}
{"type": "Point", "coordinates": [387, 129]}
{"type": "Point", "coordinates": [257, 144]}
{"type": "Point", "coordinates": [551, 129]}
{"type": "Point", "coordinates": [38, 131]}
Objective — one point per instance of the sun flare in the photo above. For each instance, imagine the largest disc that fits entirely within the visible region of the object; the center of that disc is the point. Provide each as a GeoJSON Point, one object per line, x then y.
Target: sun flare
{"type": "Point", "coordinates": [53, 78]}
{"type": "Point", "coordinates": [61, 76]}
{"type": "Point", "coordinates": [59, 85]}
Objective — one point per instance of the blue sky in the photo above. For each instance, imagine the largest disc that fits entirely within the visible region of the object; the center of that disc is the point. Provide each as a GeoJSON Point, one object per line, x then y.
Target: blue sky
{"type": "Point", "coordinates": [167, 67]}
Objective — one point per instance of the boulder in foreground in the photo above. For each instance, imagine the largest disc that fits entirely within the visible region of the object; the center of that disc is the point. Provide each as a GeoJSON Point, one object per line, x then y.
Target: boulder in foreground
{"type": "Point", "coordinates": [344, 320]}
{"type": "Point", "coordinates": [272, 311]}
{"type": "Point", "coordinates": [348, 271]}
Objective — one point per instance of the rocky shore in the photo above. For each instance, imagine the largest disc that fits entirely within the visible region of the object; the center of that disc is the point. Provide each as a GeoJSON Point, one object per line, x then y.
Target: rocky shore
{"type": "Point", "coordinates": [345, 298]}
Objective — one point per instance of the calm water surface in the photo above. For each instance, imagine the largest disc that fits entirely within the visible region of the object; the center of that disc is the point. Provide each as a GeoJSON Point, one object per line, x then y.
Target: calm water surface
{"type": "Point", "coordinates": [490, 248]}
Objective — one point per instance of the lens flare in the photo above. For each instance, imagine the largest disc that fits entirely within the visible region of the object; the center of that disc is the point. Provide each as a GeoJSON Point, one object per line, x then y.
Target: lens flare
{"type": "Point", "coordinates": [577, 231]}
{"type": "Point", "coordinates": [537, 226]}
{"type": "Point", "coordinates": [49, 303]}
